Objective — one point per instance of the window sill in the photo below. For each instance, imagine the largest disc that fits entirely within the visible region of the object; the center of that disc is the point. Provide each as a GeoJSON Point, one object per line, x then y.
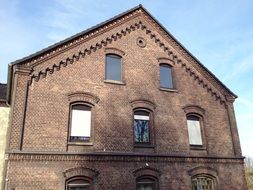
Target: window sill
{"type": "Point", "coordinates": [144, 146]}
{"type": "Point", "coordinates": [197, 147]}
{"type": "Point", "coordinates": [80, 143]}
{"type": "Point", "coordinates": [114, 82]}
{"type": "Point", "coordinates": [168, 89]}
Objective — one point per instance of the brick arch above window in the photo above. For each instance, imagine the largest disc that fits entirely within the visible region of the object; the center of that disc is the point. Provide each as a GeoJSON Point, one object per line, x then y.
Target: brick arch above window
{"type": "Point", "coordinates": [191, 109]}
{"type": "Point", "coordinates": [147, 171]}
{"type": "Point", "coordinates": [83, 97]}
{"type": "Point", "coordinates": [116, 51]}
{"type": "Point", "coordinates": [143, 104]}
{"type": "Point", "coordinates": [164, 60]}
{"type": "Point", "coordinates": [204, 177]}
{"type": "Point", "coordinates": [203, 170]}
{"type": "Point", "coordinates": [80, 171]}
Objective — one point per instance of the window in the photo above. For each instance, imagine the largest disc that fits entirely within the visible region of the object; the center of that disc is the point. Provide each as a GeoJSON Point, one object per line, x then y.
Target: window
{"type": "Point", "coordinates": [80, 125]}
{"type": "Point", "coordinates": [141, 126]}
{"type": "Point", "coordinates": [166, 76]}
{"type": "Point", "coordinates": [113, 67]}
{"type": "Point", "coordinates": [194, 130]}
{"type": "Point", "coordinates": [146, 183]}
{"type": "Point", "coordinates": [79, 184]}
{"type": "Point", "coordinates": [202, 183]}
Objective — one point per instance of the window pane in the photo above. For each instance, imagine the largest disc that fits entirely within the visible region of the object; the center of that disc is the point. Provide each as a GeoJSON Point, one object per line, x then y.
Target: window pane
{"type": "Point", "coordinates": [146, 184]}
{"type": "Point", "coordinates": [141, 127]}
{"type": "Point", "coordinates": [165, 76]}
{"type": "Point", "coordinates": [202, 183]}
{"type": "Point", "coordinates": [194, 131]}
{"type": "Point", "coordinates": [113, 67]}
{"type": "Point", "coordinates": [78, 185]}
{"type": "Point", "coordinates": [80, 122]}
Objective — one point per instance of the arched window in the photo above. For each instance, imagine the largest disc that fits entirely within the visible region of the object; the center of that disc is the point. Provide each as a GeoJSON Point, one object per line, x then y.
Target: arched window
{"type": "Point", "coordinates": [80, 122]}
{"type": "Point", "coordinates": [79, 183]}
{"type": "Point", "coordinates": [142, 126]}
{"type": "Point", "coordinates": [113, 67]}
{"type": "Point", "coordinates": [146, 183]}
{"type": "Point", "coordinates": [203, 182]}
{"type": "Point", "coordinates": [194, 129]}
{"type": "Point", "coordinates": [166, 76]}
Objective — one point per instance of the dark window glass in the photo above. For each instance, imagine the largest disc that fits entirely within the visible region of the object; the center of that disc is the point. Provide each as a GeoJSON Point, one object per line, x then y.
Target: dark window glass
{"type": "Point", "coordinates": [79, 184]}
{"type": "Point", "coordinates": [141, 127]}
{"type": "Point", "coordinates": [80, 126]}
{"type": "Point", "coordinates": [202, 183]}
{"type": "Point", "coordinates": [113, 67]}
{"type": "Point", "coordinates": [146, 184]}
{"type": "Point", "coordinates": [165, 76]}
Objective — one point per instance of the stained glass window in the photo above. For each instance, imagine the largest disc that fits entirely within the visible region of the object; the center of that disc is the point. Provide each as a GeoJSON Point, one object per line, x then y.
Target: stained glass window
{"type": "Point", "coordinates": [202, 183]}
{"type": "Point", "coordinates": [141, 127]}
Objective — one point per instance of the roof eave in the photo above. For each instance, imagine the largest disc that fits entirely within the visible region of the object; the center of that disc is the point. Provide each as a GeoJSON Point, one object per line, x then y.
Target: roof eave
{"type": "Point", "coordinates": [97, 26]}
{"type": "Point", "coordinates": [207, 70]}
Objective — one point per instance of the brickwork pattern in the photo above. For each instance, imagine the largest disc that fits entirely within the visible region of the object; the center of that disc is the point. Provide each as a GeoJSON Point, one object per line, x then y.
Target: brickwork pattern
{"type": "Point", "coordinates": [40, 121]}
{"type": "Point", "coordinates": [4, 119]}
{"type": "Point", "coordinates": [49, 175]}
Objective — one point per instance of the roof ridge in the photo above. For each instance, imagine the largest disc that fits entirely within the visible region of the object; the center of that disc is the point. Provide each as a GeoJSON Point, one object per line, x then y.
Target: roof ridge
{"type": "Point", "coordinates": [79, 34]}
{"type": "Point", "coordinates": [88, 31]}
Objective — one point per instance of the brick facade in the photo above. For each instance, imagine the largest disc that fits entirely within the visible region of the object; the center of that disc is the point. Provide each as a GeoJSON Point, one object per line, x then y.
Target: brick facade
{"type": "Point", "coordinates": [43, 86]}
{"type": "Point", "coordinates": [4, 119]}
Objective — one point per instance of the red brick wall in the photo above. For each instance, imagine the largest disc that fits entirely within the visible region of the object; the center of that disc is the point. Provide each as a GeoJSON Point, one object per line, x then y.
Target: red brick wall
{"type": "Point", "coordinates": [41, 115]}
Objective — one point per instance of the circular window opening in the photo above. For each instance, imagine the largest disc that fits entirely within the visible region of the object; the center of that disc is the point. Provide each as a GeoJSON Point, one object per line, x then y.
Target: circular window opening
{"type": "Point", "coordinates": [141, 42]}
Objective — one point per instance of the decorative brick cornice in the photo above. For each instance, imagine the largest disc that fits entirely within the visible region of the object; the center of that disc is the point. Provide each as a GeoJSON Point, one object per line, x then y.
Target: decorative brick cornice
{"type": "Point", "coordinates": [174, 57]}
{"type": "Point", "coordinates": [187, 55]}
{"type": "Point", "coordinates": [117, 156]}
{"type": "Point", "coordinates": [23, 70]}
{"type": "Point", "coordinates": [79, 39]}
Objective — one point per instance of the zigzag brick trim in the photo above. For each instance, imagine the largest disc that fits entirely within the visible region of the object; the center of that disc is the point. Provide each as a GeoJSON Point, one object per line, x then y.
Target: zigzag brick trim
{"type": "Point", "coordinates": [119, 35]}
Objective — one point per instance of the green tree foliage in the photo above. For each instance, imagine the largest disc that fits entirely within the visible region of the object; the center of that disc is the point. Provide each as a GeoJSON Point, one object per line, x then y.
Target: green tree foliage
{"type": "Point", "coordinates": [249, 172]}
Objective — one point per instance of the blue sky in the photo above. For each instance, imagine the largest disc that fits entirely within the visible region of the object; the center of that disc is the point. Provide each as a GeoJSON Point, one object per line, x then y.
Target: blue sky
{"type": "Point", "coordinates": [219, 33]}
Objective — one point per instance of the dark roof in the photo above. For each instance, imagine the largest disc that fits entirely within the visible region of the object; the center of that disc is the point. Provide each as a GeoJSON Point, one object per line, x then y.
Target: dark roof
{"type": "Point", "coordinates": [49, 48]}
{"type": "Point", "coordinates": [3, 90]}
{"type": "Point", "coordinates": [34, 55]}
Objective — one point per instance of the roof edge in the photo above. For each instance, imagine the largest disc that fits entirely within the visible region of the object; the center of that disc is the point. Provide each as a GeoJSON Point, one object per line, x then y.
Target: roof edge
{"type": "Point", "coordinates": [184, 48]}
{"type": "Point", "coordinates": [33, 55]}
{"type": "Point", "coordinates": [49, 48]}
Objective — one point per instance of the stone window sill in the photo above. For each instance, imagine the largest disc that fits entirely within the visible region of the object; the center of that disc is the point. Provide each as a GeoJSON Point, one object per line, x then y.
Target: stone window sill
{"type": "Point", "coordinates": [168, 89]}
{"type": "Point", "coordinates": [143, 146]}
{"type": "Point", "coordinates": [80, 143]}
{"type": "Point", "coordinates": [114, 82]}
{"type": "Point", "coordinates": [197, 147]}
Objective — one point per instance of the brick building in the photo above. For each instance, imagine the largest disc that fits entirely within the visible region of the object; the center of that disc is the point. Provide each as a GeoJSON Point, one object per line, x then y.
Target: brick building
{"type": "Point", "coordinates": [4, 119]}
{"type": "Point", "coordinates": [122, 105]}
